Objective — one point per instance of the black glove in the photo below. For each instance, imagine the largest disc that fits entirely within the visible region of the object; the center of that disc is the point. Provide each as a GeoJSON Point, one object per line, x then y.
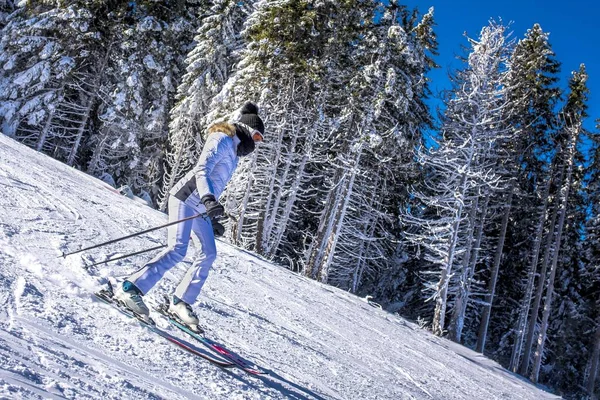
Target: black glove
{"type": "Point", "coordinates": [213, 208]}
{"type": "Point", "coordinates": [218, 228]}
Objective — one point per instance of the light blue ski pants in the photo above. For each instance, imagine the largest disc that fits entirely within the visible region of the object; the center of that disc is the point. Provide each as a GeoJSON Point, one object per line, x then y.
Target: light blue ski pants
{"type": "Point", "coordinates": [178, 239]}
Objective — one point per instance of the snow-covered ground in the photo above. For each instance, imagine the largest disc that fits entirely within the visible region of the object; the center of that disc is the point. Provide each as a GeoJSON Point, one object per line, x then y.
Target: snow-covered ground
{"type": "Point", "coordinates": [57, 341]}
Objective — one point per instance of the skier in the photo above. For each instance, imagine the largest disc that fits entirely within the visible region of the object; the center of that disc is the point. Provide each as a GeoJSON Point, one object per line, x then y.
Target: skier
{"type": "Point", "coordinates": [196, 193]}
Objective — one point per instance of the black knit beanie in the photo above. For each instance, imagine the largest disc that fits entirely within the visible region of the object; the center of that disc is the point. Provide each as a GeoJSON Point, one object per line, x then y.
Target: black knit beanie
{"type": "Point", "coordinates": [249, 116]}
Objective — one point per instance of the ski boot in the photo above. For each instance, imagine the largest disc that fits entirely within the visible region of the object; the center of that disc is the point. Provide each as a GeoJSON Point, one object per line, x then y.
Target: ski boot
{"type": "Point", "coordinates": [129, 296]}
{"type": "Point", "coordinates": [181, 312]}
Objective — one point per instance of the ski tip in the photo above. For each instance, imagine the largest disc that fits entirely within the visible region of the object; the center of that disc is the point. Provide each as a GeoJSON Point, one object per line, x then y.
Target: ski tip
{"type": "Point", "coordinates": [259, 372]}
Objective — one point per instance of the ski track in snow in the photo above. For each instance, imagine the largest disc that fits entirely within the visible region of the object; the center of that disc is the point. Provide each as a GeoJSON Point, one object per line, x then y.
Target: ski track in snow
{"type": "Point", "coordinates": [58, 342]}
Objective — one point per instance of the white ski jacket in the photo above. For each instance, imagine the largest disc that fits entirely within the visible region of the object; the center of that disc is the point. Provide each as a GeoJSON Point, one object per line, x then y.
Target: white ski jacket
{"type": "Point", "coordinates": [214, 169]}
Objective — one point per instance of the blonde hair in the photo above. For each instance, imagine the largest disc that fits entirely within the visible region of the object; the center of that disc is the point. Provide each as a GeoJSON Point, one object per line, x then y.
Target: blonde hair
{"type": "Point", "coordinates": [225, 127]}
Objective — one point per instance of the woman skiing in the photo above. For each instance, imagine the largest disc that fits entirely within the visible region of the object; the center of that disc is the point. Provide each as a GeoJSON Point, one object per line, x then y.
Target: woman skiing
{"type": "Point", "coordinates": [196, 193]}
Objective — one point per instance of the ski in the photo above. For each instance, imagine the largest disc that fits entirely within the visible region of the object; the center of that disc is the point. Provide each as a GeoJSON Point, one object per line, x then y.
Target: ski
{"type": "Point", "coordinates": [242, 364]}
{"type": "Point", "coordinates": [105, 295]}
{"type": "Point", "coordinates": [220, 350]}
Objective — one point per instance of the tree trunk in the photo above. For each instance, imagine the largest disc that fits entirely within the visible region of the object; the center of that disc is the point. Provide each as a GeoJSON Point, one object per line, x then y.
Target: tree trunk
{"type": "Point", "coordinates": [441, 301]}
{"type": "Point", "coordinates": [323, 267]}
{"type": "Point", "coordinates": [526, 302]}
{"type": "Point", "coordinates": [456, 324]}
{"type": "Point", "coordinates": [175, 171]}
{"type": "Point", "coordinates": [315, 251]}
{"type": "Point", "coordinates": [368, 230]}
{"type": "Point", "coordinates": [591, 380]}
{"type": "Point", "coordinates": [489, 297]}
{"type": "Point", "coordinates": [439, 314]}
{"type": "Point", "coordinates": [269, 215]}
{"type": "Point", "coordinates": [537, 300]}
{"type": "Point", "coordinates": [92, 96]}
{"type": "Point", "coordinates": [550, 290]}
{"type": "Point", "coordinates": [47, 126]}
{"type": "Point", "coordinates": [80, 130]}
{"type": "Point", "coordinates": [285, 217]}
{"type": "Point", "coordinates": [237, 231]}
{"type": "Point", "coordinates": [473, 262]}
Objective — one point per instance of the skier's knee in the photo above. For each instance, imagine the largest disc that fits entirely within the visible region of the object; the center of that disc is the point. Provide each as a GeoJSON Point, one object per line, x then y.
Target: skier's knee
{"type": "Point", "coordinates": [178, 252]}
{"type": "Point", "coordinates": [211, 256]}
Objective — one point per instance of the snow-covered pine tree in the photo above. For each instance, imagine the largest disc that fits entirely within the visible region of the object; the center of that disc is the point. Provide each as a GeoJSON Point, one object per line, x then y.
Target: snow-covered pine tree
{"type": "Point", "coordinates": [6, 7]}
{"type": "Point", "coordinates": [70, 90]}
{"type": "Point", "coordinates": [50, 55]}
{"type": "Point", "coordinates": [531, 98]}
{"type": "Point", "coordinates": [570, 322]}
{"type": "Point", "coordinates": [290, 50]}
{"type": "Point", "coordinates": [208, 67]}
{"type": "Point", "coordinates": [379, 126]}
{"type": "Point", "coordinates": [491, 163]}
{"type": "Point", "coordinates": [461, 170]}
{"type": "Point", "coordinates": [573, 115]}
{"type": "Point", "coordinates": [138, 87]}
{"type": "Point", "coordinates": [277, 70]}
{"type": "Point", "coordinates": [592, 256]}
{"type": "Point", "coordinates": [411, 43]}
{"type": "Point", "coordinates": [332, 158]}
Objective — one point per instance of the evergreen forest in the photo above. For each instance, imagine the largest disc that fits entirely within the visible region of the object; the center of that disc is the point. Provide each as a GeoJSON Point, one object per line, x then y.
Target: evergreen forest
{"type": "Point", "coordinates": [481, 223]}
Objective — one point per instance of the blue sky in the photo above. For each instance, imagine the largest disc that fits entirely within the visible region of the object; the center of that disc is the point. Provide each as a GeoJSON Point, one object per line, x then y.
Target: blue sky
{"type": "Point", "coordinates": [573, 27]}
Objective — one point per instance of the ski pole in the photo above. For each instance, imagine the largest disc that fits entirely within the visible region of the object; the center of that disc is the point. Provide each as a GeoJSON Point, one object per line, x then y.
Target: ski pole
{"type": "Point", "coordinates": [133, 235]}
{"type": "Point", "coordinates": [126, 255]}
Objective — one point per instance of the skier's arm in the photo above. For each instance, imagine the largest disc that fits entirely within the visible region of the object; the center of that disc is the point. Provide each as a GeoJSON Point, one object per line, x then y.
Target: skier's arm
{"type": "Point", "coordinates": [213, 151]}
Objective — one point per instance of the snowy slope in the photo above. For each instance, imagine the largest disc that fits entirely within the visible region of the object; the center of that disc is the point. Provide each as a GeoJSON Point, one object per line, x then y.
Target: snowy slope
{"type": "Point", "coordinates": [57, 341]}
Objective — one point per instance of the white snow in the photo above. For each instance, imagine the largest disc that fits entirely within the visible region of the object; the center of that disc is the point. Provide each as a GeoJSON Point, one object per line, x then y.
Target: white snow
{"type": "Point", "coordinates": [151, 64]}
{"type": "Point", "coordinates": [318, 342]}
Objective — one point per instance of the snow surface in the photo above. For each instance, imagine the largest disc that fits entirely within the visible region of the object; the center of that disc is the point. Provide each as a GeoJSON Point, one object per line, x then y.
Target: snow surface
{"type": "Point", "coordinates": [318, 342]}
